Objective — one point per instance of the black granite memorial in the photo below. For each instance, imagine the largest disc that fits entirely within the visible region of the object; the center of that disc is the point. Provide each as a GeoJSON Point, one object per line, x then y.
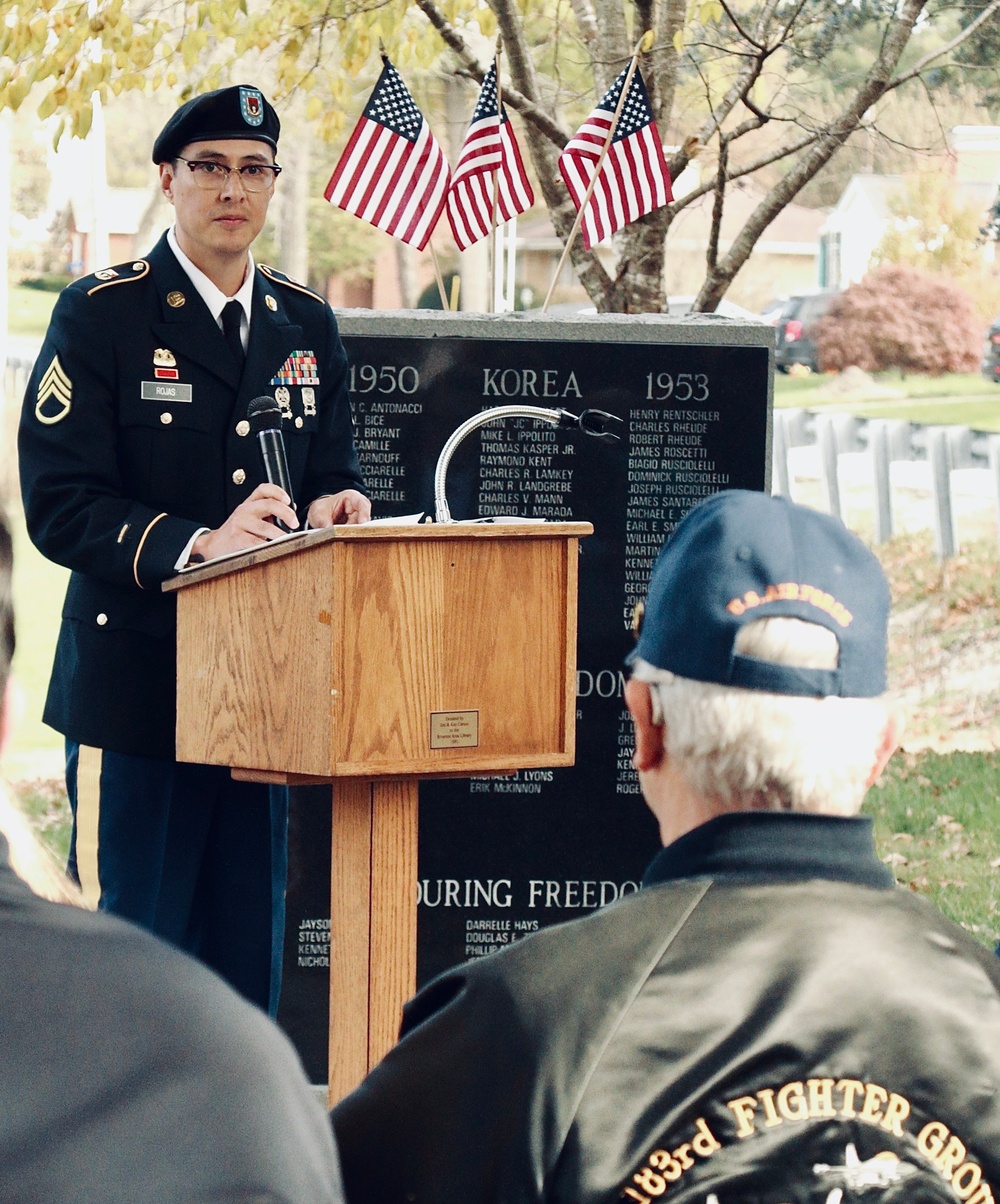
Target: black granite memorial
{"type": "Point", "coordinates": [501, 857]}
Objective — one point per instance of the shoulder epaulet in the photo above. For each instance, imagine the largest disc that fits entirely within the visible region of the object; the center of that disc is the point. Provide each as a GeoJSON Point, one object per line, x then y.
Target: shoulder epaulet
{"type": "Point", "coordinates": [122, 273]}
{"type": "Point", "coordinates": [281, 278]}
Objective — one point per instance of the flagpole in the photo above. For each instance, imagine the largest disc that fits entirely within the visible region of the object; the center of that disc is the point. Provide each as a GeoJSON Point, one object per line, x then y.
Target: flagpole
{"type": "Point", "coordinates": [437, 275]}
{"type": "Point", "coordinates": [644, 44]}
{"type": "Point", "coordinates": [496, 180]}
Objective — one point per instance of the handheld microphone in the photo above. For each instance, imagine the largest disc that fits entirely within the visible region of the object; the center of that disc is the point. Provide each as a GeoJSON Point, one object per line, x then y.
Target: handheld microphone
{"type": "Point", "coordinates": [264, 415]}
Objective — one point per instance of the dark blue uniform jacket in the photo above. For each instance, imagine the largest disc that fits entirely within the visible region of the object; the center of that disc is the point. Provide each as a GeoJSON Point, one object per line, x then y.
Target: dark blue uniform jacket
{"type": "Point", "coordinates": [133, 435]}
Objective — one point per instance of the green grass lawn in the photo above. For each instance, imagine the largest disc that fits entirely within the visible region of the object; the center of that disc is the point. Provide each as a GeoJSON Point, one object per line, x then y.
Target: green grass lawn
{"type": "Point", "coordinates": [29, 311]}
{"type": "Point", "coordinates": [937, 826]}
{"type": "Point", "coordinates": [960, 399]}
{"type": "Point", "coordinates": [39, 586]}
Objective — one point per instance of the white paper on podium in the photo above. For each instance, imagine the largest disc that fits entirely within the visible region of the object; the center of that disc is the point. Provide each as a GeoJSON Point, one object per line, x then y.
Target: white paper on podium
{"type": "Point", "coordinates": [401, 520]}
{"type": "Point", "coordinates": [404, 520]}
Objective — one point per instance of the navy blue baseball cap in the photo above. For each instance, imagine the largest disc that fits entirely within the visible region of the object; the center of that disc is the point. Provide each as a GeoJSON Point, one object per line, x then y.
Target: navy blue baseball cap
{"type": "Point", "coordinates": [241, 111]}
{"type": "Point", "coordinates": [741, 556]}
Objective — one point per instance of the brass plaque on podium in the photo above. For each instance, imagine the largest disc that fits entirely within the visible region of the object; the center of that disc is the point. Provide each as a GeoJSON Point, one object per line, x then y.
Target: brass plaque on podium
{"type": "Point", "coordinates": [454, 729]}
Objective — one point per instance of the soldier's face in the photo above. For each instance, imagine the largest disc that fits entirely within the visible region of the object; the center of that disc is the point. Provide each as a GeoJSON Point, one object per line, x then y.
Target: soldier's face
{"type": "Point", "coordinates": [223, 220]}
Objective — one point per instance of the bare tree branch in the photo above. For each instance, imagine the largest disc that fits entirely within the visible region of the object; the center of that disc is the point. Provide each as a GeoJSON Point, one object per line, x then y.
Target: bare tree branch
{"type": "Point", "coordinates": [955, 42]}
{"type": "Point", "coordinates": [520, 101]}
{"type": "Point", "coordinates": [897, 36]}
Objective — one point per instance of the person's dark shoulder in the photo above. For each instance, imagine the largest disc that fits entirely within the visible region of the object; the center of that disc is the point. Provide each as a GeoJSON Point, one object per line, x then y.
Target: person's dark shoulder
{"type": "Point", "coordinates": [552, 970]}
{"type": "Point", "coordinates": [104, 295]}
{"type": "Point", "coordinates": [294, 295]}
{"type": "Point", "coordinates": [110, 285]}
{"type": "Point", "coordinates": [947, 936]}
{"type": "Point", "coordinates": [195, 1011]}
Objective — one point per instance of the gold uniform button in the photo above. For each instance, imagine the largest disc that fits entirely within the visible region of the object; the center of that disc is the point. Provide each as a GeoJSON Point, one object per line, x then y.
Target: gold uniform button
{"type": "Point", "coordinates": [166, 418]}
{"type": "Point", "coordinates": [239, 476]}
{"type": "Point", "coordinates": [298, 423]}
{"type": "Point", "coordinates": [101, 620]}
{"type": "Point", "coordinates": [243, 427]}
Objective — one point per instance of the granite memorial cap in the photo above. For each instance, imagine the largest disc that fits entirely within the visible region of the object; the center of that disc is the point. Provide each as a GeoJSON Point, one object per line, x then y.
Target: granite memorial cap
{"type": "Point", "coordinates": [241, 111]}
{"type": "Point", "coordinates": [741, 556]}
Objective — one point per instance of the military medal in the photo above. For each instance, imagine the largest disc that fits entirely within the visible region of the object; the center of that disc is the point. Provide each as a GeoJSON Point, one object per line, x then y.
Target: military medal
{"type": "Point", "coordinates": [284, 400]}
{"type": "Point", "coordinates": [164, 364]}
{"type": "Point", "coordinates": [299, 369]}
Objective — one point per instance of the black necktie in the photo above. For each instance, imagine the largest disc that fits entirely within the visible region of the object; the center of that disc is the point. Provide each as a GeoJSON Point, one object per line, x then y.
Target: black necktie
{"type": "Point", "coordinates": [232, 316]}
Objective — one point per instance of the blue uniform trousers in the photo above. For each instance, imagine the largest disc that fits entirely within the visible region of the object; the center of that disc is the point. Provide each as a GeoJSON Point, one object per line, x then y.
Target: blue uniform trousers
{"type": "Point", "coordinates": [188, 853]}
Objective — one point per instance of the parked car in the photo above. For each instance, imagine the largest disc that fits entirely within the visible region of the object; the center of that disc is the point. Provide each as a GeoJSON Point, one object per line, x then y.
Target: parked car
{"type": "Point", "coordinates": [793, 327]}
{"type": "Point", "coordinates": [989, 365]}
{"type": "Point", "coordinates": [772, 310]}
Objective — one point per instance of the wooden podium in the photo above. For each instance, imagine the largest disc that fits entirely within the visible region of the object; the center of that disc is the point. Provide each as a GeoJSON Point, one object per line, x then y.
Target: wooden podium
{"type": "Point", "coordinates": [370, 657]}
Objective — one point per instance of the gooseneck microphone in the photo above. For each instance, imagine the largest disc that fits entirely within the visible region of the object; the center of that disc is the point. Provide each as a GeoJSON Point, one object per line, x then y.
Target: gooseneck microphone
{"type": "Point", "coordinates": [264, 416]}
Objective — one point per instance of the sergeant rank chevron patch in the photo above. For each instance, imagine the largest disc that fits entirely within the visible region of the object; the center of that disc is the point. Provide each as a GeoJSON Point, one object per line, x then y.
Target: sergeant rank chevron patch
{"type": "Point", "coordinates": [57, 388]}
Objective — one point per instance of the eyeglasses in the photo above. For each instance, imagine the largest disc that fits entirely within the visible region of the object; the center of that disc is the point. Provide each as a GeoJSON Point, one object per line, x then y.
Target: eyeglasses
{"type": "Point", "coordinates": [255, 177]}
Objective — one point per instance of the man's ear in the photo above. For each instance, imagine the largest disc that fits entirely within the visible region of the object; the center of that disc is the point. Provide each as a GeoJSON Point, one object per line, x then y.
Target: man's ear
{"type": "Point", "coordinates": [648, 723]}
{"type": "Point", "coordinates": [887, 745]}
{"type": "Point", "coordinates": [167, 180]}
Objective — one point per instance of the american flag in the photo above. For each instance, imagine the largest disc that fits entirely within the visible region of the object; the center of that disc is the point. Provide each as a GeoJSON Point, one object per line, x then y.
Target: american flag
{"type": "Point", "coordinates": [634, 178]}
{"type": "Point", "coordinates": [392, 173]}
{"type": "Point", "coordinates": [489, 152]}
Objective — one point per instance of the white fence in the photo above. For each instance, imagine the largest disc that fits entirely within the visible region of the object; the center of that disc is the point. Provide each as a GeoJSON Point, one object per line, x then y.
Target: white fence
{"type": "Point", "coordinates": [878, 449]}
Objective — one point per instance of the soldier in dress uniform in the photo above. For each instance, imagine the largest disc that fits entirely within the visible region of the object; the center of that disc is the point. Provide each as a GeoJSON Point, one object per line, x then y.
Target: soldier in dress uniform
{"type": "Point", "coordinates": [136, 460]}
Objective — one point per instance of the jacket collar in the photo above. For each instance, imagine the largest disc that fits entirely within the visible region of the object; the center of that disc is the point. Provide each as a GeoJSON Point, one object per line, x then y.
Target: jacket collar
{"type": "Point", "coordinates": [771, 846]}
{"type": "Point", "coordinates": [273, 336]}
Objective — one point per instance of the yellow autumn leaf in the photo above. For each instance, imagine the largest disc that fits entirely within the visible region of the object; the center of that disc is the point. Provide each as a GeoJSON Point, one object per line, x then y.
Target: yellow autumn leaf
{"type": "Point", "coordinates": [679, 40]}
{"type": "Point", "coordinates": [84, 119]}
{"type": "Point", "coordinates": [48, 105]}
{"type": "Point", "coordinates": [16, 93]}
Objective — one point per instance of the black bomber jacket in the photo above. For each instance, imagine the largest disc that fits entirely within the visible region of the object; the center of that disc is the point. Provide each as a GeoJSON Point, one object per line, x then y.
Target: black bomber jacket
{"type": "Point", "coordinates": [768, 1020]}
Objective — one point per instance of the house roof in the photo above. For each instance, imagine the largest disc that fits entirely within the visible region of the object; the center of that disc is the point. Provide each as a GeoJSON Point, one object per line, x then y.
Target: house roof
{"type": "Point", "coordinates": [795, 230]}
{"type": "Point", "coordinates": [879, 191]}
{"type": "Point", "coordinates": [126, 210]}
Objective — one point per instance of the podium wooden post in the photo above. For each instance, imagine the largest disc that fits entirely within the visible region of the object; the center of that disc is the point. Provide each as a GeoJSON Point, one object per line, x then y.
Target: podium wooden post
{"type": "Point", "coordinates": [371, 657]}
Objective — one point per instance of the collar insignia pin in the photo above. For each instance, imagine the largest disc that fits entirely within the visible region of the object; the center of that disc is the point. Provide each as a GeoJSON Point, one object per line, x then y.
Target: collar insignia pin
{"type": "Point", "coordinates": [176, 300]}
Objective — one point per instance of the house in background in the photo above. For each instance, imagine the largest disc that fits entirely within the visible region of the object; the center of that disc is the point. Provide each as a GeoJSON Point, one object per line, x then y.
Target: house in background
{"type": "Point", "coordinates": [863, 214]}
{"type": "Point", "coordinates": [783, 261]}
{"type": "Point", "coordinates": [135, 219]}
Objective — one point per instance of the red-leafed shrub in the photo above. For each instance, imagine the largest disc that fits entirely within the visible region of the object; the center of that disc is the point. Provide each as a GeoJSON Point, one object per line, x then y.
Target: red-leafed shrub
{"type": "Point", "coordinates": [897, 317]}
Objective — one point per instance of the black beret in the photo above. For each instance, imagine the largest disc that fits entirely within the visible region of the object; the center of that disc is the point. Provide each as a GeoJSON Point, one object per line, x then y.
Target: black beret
{"type": "Point", "coordinates": [237, 112]}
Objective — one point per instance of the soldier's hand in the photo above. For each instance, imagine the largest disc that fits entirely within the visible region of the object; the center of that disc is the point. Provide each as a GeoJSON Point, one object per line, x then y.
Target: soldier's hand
{"type": "Point", "coordinates": [348, 506]}
{"type": "Point", "coordinates": [249, 525]}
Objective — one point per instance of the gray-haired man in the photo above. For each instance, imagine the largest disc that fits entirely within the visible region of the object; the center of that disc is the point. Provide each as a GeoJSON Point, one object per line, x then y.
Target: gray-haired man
{"type": "Point", "coordinates": [768, 1019]}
